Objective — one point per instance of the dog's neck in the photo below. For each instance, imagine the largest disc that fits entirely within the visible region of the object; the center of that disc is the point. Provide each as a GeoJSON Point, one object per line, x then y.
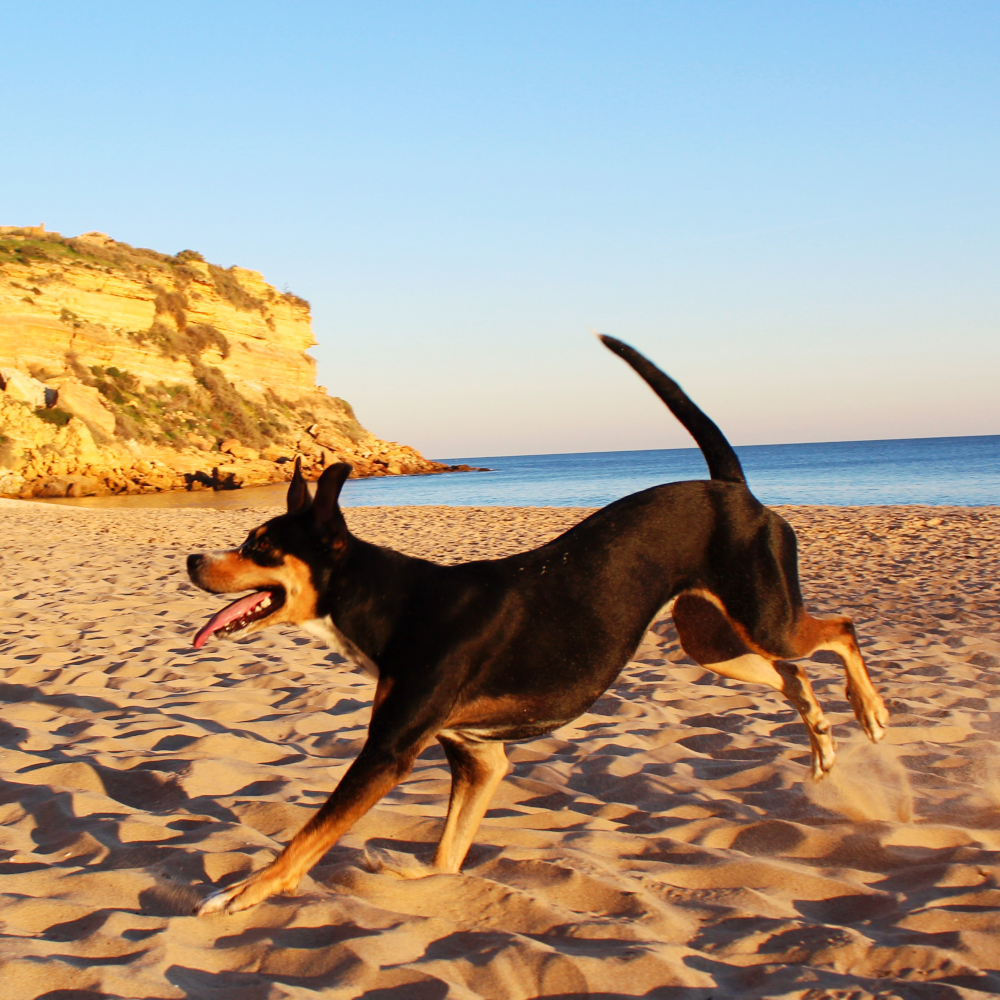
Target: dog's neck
{"type": "Point", "coordinates": [360, 604]}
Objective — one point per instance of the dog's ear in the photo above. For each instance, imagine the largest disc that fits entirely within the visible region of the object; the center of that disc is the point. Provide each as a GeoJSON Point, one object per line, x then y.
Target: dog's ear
{"type": "Point", "coordinates": [326, 506]}
{"type": "Point", "coordinates": [298, 492]}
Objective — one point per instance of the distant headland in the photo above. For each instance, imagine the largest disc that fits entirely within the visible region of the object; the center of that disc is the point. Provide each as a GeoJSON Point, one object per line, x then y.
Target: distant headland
{"type": "Point", "coordinates": [126, 370]}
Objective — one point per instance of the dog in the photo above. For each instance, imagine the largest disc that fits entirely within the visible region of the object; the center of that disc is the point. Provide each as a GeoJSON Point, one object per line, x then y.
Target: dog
{"type": "Point", "coordinates": [482, 653]}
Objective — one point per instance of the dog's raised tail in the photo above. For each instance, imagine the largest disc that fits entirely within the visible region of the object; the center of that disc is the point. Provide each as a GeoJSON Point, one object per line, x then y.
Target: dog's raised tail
{"type": "Point", "coordinates": [722, 461]}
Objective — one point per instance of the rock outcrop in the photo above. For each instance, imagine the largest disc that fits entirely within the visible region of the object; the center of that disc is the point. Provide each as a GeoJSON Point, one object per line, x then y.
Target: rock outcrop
{"type": "Point", "coordinates": [128, 370]}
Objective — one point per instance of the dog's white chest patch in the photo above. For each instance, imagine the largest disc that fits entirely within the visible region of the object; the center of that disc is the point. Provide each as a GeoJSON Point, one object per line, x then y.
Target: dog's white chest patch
{"type": "Point", "coordinates": [323, 628]}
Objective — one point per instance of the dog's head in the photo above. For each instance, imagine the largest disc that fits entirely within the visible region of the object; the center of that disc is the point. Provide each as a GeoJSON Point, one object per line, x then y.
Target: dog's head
{"type": "Point", "coordinates": [286, 562]}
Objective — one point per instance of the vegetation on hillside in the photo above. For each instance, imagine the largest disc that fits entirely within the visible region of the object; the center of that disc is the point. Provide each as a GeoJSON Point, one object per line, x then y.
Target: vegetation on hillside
{"type": "Point", "coordinates": [209, 410]}
{"type": "Point", "coordinates": [30, 247]}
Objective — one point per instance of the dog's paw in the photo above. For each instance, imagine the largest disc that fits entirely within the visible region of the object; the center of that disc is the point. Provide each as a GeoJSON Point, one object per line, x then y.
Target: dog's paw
{"type": "Point", "coordinates": [218, 902]}
{"type": "Point", "coordinates": [824, 749]}
{"type": "Point", "coordinates": [871, 713]}
{"type": "Point", "coordinates": [882, 717]}
{"type": "Point", "coordinates": [242, 895]}
{"type": "Point", "coordinates": [824, 754]}
{"type": "Point", "coordinates": [874, 719]}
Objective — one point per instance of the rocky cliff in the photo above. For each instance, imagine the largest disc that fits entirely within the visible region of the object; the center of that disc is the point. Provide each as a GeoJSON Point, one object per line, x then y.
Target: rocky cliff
{"type": "Point", "coordinates": [127, 370]}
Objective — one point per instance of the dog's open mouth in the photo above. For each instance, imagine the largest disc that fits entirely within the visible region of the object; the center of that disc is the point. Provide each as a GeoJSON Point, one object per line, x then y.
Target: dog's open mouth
{"type": "Point", "coordinates": [237, 616]}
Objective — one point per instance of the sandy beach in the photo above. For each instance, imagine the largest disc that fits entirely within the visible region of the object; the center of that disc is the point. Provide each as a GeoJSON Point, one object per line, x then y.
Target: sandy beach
{"type": "Point", "coordinates": [668, 844]}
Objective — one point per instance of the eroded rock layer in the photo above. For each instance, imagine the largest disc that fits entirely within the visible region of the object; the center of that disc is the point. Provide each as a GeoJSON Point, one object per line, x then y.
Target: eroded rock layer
{"type": "Point", "coordinates": [124, 369]}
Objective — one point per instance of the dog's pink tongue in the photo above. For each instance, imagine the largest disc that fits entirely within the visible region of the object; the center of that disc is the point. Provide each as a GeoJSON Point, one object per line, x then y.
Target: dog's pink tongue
{"type": "Point", "coordinates": [228, 614]}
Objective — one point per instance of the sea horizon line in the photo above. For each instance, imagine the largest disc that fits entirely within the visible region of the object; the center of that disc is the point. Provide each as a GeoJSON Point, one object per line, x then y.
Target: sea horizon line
{"type": "Point", "coordinates": [694, 447]}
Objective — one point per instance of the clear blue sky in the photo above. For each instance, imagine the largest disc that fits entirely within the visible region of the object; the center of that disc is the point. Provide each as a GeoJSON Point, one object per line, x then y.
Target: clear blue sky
{"type": "Point", "coordinates": [792, 206]}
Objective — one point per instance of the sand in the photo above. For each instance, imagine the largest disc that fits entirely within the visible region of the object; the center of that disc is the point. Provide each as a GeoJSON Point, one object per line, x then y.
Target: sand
{"type": "Point", "coordinates": [667, 844]}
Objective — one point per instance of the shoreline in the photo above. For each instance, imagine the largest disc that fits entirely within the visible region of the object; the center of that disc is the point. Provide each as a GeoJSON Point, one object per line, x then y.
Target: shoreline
{"type": "Point", "coordinates": [935, 472]}
{"type": "Point", "coordinates": [669, 837]}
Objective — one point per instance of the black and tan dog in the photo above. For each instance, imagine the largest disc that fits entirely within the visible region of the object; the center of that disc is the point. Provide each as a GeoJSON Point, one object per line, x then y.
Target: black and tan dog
{"type": "Point", "coordinates": [481, 653]}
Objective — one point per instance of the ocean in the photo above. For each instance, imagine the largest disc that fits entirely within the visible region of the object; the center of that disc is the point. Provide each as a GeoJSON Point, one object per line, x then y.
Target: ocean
{"type": "Point", "coordinates": [962, 471]}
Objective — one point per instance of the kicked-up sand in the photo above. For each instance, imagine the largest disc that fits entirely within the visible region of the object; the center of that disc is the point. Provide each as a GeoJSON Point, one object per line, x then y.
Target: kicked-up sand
{"type": "Point", "coordinates": [668, 844]}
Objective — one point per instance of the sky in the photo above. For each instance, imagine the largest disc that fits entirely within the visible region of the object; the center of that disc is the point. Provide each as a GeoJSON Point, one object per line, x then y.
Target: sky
{"type": "Point", "coordinates": [792, 207]}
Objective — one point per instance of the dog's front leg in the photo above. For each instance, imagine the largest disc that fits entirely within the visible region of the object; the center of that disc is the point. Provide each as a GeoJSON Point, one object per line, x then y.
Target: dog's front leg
{"type": "Point", "coordinates": [370, 777]}
{"type": "Point", "coordinates": [396, 735]}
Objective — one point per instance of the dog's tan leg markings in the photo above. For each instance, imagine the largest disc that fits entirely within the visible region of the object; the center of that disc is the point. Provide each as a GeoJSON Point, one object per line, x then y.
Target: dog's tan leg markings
{"type": "Point", "coordinates": [837, 635]}
{"type": "Point", "coordinates": [476, 771]}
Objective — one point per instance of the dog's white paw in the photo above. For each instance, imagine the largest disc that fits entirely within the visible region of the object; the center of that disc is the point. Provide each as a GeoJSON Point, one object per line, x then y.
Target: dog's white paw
{"type": "Point", "coordinates": [249, 892]}
{"type": "Point", "coordinates": [218, 902]}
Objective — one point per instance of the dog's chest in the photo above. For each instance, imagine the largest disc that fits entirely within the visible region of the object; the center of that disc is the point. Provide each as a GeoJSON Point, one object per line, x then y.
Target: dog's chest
{"type": "Point", "coordinates": [323, 628]}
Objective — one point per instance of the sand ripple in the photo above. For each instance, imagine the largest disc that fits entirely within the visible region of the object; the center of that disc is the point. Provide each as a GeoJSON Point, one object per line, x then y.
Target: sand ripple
{"type": "Point", "coordinates": [668, 844]}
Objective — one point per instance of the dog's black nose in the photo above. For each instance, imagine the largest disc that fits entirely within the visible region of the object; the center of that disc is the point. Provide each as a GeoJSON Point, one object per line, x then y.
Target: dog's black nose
{"type": "Point", "coordinates": [193, 563]}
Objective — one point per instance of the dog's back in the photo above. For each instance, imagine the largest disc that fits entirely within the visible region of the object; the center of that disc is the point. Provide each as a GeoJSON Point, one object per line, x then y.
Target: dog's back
{"type": "Point", "coordinates": [558, 623]}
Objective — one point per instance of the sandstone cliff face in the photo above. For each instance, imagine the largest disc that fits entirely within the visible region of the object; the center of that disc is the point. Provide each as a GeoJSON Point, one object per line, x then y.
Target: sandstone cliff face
{"type": "Point", "coordinates": [125, 369]}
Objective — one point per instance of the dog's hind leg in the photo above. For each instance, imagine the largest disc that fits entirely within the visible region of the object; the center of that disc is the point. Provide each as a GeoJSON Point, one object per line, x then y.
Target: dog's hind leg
{"type": "Point", "coordinates": [791, 680]}
{"type": "Point", "coordinates": [476, 771]}
{"type": "Point", "coordinates": [838, 636]}
{"type": "Point", "coordinates": [707, 636]}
